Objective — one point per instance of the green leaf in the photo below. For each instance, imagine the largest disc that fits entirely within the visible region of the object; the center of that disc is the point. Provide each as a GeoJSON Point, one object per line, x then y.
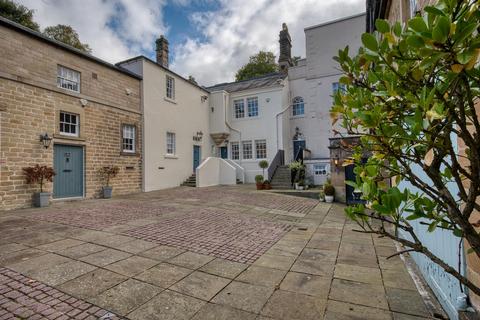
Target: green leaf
{"type": "Point", "coordinates": [418, 24]}
{"type": "Point", "coordinates": [382, 25]}
{"type": "Point", "coordinates": [397, 29]}
{"type": "Point", "coordinates": [458, 232]}
{"type": "Point", "coordinates": [441, 29]}
{"type": "Point", "coordinates": [432, 226]}
{"type": "Point", "coordinates": [434, 11]}
{"type": "Point", "coordinates": [465, 56]}
{"type": "Point", "coordinates": [370, 42]}
{"type": "Point", "coordinates": [415, 41]}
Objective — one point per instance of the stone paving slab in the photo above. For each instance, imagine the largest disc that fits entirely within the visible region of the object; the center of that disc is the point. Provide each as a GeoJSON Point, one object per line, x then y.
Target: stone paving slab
{"type": "Point", "coordinates": [25, 298]}
{"type": "Point", "coordinates": [316, 267]}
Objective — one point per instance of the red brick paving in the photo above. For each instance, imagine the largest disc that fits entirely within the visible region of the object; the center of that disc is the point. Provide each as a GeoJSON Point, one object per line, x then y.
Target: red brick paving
{"type": "Point", "coordinates": [25, 298]}
{"type": "Point", "coordinates": [213, 232]}
{"type": "Point", "coordinates": [103, 215]}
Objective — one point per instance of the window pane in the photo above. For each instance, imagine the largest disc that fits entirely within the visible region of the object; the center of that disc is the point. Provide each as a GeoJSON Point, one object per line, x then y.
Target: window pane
{"type": "Point", "coordinates": [261, 149]}
{"type": "Point", "coordinates": [68, 79]}
{"type": "Point", "coordinates": [252, 104]}
{"type": "Point", "coordinates": [239, 109]}
{"type": "Point", "coordinates": [247, 149]}
{"type": "Point", "coordinates": [128, 138]}
{"type": "Point", "coordinates": [235, 151]}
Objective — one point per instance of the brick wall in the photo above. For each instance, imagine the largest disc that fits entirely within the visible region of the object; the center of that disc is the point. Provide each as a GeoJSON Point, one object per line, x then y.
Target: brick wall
{"type": "Point", "coordinates": [30, 104]}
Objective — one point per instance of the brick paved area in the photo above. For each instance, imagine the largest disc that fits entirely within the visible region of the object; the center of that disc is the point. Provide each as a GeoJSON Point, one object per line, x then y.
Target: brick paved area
{"type": "Point", "coordinates": [214, 232]}
{"type": "Point", "coordinates": [25, 298]}
{"type": "Point", "coordinates": [104, 215]}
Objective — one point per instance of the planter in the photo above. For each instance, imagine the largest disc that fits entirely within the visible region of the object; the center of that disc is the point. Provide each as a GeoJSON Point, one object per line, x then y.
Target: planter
{"type": "Point", "coordinates": [107, 192]}
{"type": "Point", "coordinates": [295, 185]}
{"type": "Point", "coordinates": [267, 186]}
{"type": "Point", "coordinates": [300, 187]}
{"type": "Point", "coordinates": [259, 186]}
{"type": "Point", "coordinates": [41, 199]}
{"type": "Point", "coordinates": [329, 199]}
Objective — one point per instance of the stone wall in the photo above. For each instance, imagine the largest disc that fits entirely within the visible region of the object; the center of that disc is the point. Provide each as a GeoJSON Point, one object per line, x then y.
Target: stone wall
{"type": "Point", "coordinates": [30, 103]}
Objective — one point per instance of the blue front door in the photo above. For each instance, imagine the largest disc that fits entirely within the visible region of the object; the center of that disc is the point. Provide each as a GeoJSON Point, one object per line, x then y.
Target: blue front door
{"type": "Point", "coordinates": [223, 152]}
{"type": "Point", "coordinates": [68, 166]}
{"type": "Point", "coordinates": [196, 157]}
{"type": "Point", "coordinates": [297, 144]}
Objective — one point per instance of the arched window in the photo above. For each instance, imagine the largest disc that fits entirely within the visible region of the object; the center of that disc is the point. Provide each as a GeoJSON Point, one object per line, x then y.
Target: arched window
{"type": "Point", "coordinates": [298, 106]}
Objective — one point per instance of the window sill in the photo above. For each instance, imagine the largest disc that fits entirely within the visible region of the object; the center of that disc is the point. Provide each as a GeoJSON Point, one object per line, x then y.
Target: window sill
{"type": "Point", "coordinates": [170, 100]}
{"type": "Point", "coordinates": [170, 156]}
{"type": "Point", "coordinates": [298, 117]}
{"type": "Point", "coordinates": [123, 153]}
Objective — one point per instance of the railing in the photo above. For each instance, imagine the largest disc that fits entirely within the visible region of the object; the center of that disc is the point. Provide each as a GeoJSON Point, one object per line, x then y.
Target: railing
{"type": "Point", "coordinates": [278, 160]}
{"type": "Point", "coordinates": [239, 170]}
{"type": "Point", "coordinates": [299, 155]}
{"type": "Point", "coordinates": [214, 171]}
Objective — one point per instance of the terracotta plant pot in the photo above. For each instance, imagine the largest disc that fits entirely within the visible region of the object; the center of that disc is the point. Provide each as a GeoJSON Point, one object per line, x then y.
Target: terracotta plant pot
{"type": "Point", "coordinates": [267, 186]}
{"type": "Point", "coordinates": [259, 186]}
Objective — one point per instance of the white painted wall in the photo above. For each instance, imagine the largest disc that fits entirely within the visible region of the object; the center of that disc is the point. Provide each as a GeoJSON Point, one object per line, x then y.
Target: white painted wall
{"type": "Point", "coordinates": [184, 116]}
{"type": "Point", "coordinates": [263, 127]}
{"type": "Point", "coordinates": [214, 171]}
{"type": "Point", "coordinates": [312, 79]}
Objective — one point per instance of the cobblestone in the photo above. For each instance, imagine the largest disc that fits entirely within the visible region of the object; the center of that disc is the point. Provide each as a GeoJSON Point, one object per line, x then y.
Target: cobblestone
{"type": "Point", "coordinates": [213, 232]}
{"type": "Point", "coordinates": [15, 302]}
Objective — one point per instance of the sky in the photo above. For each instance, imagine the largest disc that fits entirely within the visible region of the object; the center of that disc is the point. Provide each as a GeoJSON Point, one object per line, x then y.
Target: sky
{"type": "Point", "coordinates": [209, 39]}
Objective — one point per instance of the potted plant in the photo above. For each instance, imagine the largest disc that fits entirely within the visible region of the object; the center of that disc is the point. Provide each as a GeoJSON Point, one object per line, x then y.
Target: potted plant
{"type": "Point", "coordinates": [259, 181]}
{"type": "Point", "coordinates": [296, 167]}
{"type": "Point", "coordinates": [267, 185]}
{"type": "Point", "coordinates": [321, 195]}
{"type": "Point", "coordinates": [39, 175]}
{"type": "Point", "coordinates": [329, 190]}
{"type": "Point", "coordinates": [107, 173]}
{"type": "Point", "coordinates": [264, 165]}
{"type": "Point", "coordinates": [301, 185]}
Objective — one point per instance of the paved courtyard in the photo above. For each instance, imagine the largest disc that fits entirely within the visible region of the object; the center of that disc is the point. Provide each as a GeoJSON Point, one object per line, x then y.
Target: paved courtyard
{"type": "Point", "coordinates": [188, 253]}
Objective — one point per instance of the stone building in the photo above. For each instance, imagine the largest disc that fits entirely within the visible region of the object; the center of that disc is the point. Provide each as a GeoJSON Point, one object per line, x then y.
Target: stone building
{"type": "Point", "coordinates": [88, 107]}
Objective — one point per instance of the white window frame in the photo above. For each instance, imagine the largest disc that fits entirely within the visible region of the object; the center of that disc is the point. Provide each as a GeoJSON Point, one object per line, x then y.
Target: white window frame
{"type": "Point", "coordinates": [239, 108]}
{"type": "Point", "coordinates": [248, 156]}
{"type": "Point", "coordinates": [129, 133]}
{"type": "Point", "coordinates": [171, 146]}
{"type": "Point", "coordinates": [261, 147]}
{"type": "Point", "coordinates": [234, 150]}
{"type": "Point", "coordinates": [68, 79]}
{"type": "Point", "coordinates": [69, 123]}
{"type": "Point", "coordinates": [252, 105]}
{"type": "Point", "coordinates": [298, 104]}
{"type": "Point", "coordinates": [320, 169]}
{"type": "Point", "coordinates": [170, 87]}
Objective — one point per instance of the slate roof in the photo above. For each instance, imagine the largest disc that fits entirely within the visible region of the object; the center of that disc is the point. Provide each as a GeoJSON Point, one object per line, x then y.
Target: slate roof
{"type": "Point", "coordinates": [269, 80]}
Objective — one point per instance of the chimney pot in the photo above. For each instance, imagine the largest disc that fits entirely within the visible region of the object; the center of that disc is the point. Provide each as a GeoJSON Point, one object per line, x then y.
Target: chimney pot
{"type": "Point", "coordinates": [162, 51]}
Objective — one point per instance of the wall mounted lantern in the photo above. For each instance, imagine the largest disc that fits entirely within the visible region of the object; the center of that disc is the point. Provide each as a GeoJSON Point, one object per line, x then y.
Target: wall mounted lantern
{"type": "Point", "coordinates": [45, 139]}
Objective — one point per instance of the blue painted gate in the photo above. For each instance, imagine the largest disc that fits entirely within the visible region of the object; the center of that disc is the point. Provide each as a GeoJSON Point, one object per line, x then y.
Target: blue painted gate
{"type": "Point", "coordinates": [447, 247]}
{"type": "Point", "coordinates": [68, 166]}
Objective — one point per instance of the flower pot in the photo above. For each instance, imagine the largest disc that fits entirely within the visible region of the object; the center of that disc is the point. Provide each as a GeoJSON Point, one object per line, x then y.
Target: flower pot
{"type": "Point", "coordinates": [295, 185]}
{"type": "Point", "coordinates": [41, 199]}
{"type": "Point", "coordinates": [267, 186]}
{"type": "Point", "coordinates": [107, 192]}
{"type": "Point", "coordinates": [328, 199]}
{"type": "Point", "coordinates": [300, 187]}
{"type": "Point", "coordinates": [259, 186]}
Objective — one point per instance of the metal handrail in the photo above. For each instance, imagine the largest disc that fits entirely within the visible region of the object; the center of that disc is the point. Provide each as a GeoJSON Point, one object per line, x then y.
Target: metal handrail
{"type": "Point", "coordinates": [299, 155]}
{"type": "Point", "coordinates": [278, 160]}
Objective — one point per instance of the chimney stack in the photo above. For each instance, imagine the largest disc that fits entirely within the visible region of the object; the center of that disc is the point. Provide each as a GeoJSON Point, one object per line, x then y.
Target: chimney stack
{"type": "Point", "coordinates": [285, 58]}
{"type": "Point", "coordinates": [162, 51]}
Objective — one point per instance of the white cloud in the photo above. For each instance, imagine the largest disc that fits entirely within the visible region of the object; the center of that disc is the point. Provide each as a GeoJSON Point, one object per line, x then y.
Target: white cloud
{"type": "Point", "coordinates": [136, 23]}
{"type": "Point", "coordinates": [241, 28]}
{"type": "Point", "coordinates": [119, 29]}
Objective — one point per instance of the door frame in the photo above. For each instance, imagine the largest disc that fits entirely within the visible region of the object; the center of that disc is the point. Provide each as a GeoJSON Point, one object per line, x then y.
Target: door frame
{"type": "Point", "coordinates": [84, 171]}
{"type": "Point", "coordinates": [293, 145]}
{"type": "Point", "coordinates": [199, 156]}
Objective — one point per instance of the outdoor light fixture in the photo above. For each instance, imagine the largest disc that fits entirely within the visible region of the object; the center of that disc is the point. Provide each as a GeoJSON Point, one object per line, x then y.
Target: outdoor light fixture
{"type": "Point", "coordinates": [336, 161]}
{"type": "Point", "coordinates": [45, 139]}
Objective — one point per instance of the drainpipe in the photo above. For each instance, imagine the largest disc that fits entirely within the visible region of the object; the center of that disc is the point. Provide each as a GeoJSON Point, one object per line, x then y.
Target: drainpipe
{"type": "Point", "coordinates": [281, 112]}
{"type": "Point", "coordinates": [233, 129]}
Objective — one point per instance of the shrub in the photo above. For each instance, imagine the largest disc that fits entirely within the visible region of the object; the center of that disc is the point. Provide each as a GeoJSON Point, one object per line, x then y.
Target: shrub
{"type": "Point", "coordinates": [259, 178]}
{"type": "Point", "coordinates": [38, 174]}
{"type": "Point", "coordinates": [329, 190]}
{"type": "Point", "coordinates": [107, 173]}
